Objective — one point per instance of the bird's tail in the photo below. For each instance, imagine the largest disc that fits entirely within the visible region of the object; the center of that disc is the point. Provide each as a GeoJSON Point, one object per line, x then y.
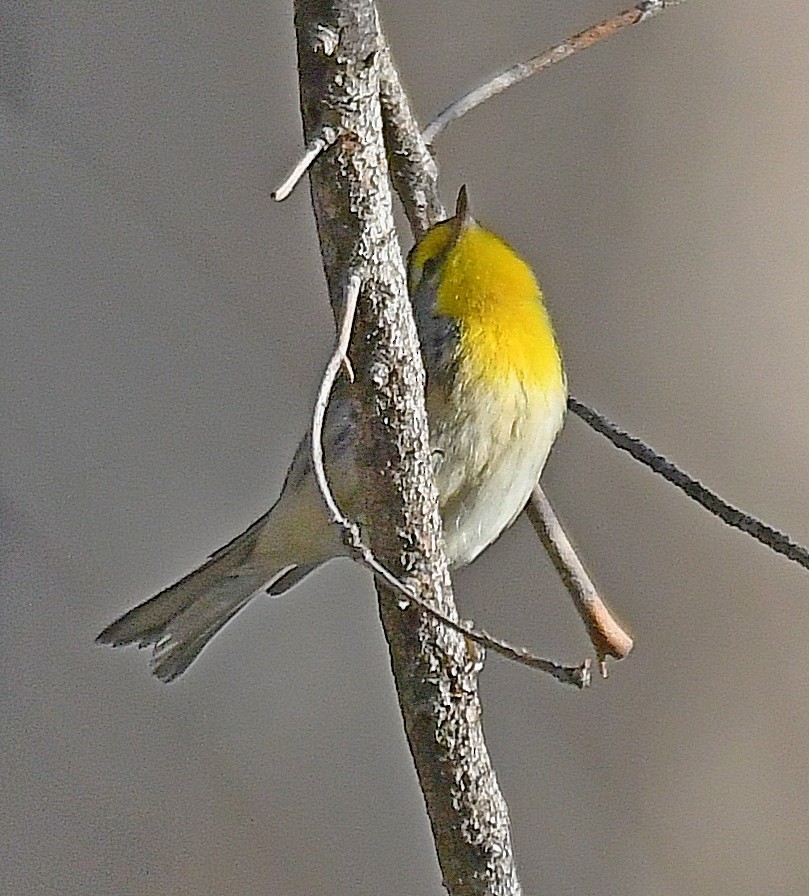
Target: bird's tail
{"type": "Point", "coordinates": [181, 620]}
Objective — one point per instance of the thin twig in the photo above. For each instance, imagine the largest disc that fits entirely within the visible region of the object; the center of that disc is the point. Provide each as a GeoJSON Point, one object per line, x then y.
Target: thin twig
{"type": "Point", "coordinates": [606, 634]}
{"type": "Point", "coordinates": [313, 150]}
{"type": "Point", "coordinates": [575, 675]}
{"type": "Point", "coordinates": [336, 361]}
{"type": "Point", "coordinates": [737, 519]}
{"type": "Point", "coordinates": [641, 12]}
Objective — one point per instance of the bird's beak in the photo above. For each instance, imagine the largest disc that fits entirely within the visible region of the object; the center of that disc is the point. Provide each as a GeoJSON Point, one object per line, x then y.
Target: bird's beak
{"type": "Point", "coordinates": [463, 217]}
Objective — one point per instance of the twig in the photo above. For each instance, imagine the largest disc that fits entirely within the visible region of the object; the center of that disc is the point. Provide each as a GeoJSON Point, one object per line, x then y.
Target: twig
{"type": "Point", "coordinates": [336, 361]}
{"type": "Point", "coordinates": [641, 12]}
{"type": "Point", "coordinates": [575, 675]}
{"type": "Point", "coordinates": [737, 519]}
{"type": "Point", "coordinates": [606, 635]}
{"type": "Point", "coordinates": [313, 149]}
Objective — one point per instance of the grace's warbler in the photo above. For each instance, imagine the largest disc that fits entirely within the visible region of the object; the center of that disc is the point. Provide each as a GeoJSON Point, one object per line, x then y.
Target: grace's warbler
{"type": "Point", "coordinates": [496, 397]}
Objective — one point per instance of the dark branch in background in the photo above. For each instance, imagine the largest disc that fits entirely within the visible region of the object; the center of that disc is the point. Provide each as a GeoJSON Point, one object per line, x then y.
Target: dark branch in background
{"type": "Point", "coordinates": [738, 519]}
{"type": "Point", "coordinates": [641, 12]}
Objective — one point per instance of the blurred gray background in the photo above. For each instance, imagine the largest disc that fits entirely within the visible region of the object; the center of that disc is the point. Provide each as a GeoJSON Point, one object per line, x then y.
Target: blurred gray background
{"type": "Point", "coordinates": [164, 325]}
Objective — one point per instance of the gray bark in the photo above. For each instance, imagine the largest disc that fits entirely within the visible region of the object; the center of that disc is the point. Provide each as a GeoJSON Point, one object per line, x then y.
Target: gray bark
{"type": "Point", "coordinates": [340, 55]}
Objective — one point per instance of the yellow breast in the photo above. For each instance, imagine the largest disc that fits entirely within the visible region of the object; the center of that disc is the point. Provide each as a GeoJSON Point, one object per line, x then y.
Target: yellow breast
{"type": "Point", "coordinates": [504, 329]}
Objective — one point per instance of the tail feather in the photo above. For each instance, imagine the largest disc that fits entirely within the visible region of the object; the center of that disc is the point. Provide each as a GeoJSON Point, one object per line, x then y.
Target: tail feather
{"type": "Point", "coordinates": [278, 550]}
{"type": "Point", "coordinates": [290, 578]}
{"type": "Point", "coordinates": [189, 631]}
{"type": "Point", "coordinates": [180, 620]}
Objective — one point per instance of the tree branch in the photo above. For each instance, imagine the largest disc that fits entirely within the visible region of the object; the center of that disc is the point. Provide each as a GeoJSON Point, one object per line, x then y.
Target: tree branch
{"type": "Point", "coordinates": [413, 169]}
{"type": "Point", "coordinates": [521, 71]}
{"type": "Point", "coordinates": [435, 671]}
{"type": "Point", "coordinates": [732, 516]}
{"type": "Point", "coordinates": [606, 634]}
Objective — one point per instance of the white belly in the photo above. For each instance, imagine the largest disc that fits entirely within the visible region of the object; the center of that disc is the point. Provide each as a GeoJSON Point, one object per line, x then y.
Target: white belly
{"type": "Point", "coordinates": [488, 453]}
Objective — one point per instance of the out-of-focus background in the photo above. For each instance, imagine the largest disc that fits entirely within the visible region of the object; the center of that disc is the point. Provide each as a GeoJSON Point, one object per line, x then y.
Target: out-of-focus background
{"type": "Point", "coordinates": [164, 325]}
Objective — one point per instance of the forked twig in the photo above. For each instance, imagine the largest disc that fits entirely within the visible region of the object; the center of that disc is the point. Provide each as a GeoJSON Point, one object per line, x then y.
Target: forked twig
{"type": "Point", "coordinates": [576, 675]}
{"type": "Point", "coordinates": [640, 12]}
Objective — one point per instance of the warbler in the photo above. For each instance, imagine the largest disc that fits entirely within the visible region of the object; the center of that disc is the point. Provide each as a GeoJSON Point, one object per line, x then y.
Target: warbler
{"type": "Point", "coordinates": [496, 395]}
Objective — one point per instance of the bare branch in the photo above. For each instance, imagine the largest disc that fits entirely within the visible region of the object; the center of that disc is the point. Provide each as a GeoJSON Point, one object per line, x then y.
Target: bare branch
{"type": "Point", "coordinates": [641, 12]}
{"type": "Point", "coordinates": [606, 635]}
{"type": "Point", "coordinates": [732, 516]}
{"type": "Point", "coordinates": [313, 149]}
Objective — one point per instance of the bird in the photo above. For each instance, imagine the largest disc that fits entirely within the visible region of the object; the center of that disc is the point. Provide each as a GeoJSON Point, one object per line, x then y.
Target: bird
{"type": "Point", "coordinates": [495, 393]}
